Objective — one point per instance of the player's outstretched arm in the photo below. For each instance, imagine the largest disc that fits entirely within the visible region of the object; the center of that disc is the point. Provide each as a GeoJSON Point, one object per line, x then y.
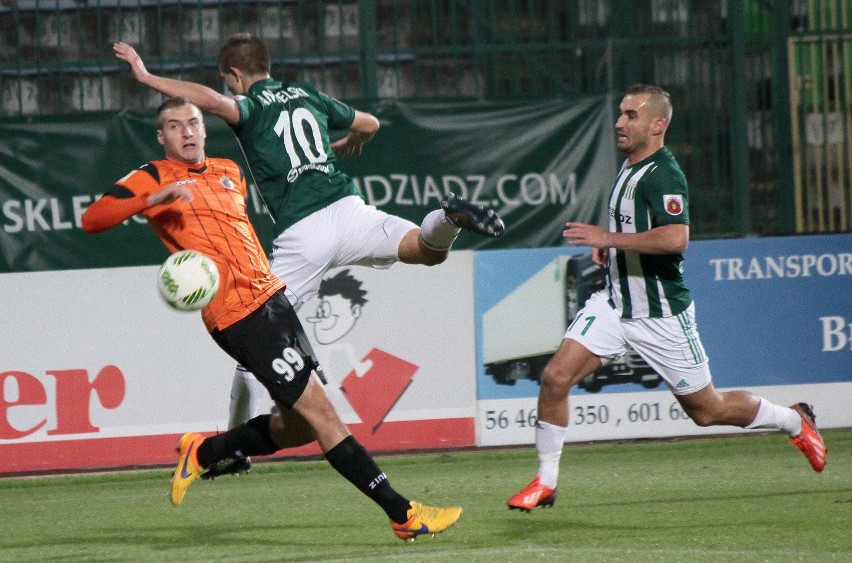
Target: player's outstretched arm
{"type": "Point", "coordinates": [205, 98]}
{"type": "Point", "coordinates": [363, 128]}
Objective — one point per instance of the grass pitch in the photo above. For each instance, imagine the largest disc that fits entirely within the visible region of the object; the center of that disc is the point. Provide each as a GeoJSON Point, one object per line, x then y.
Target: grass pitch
{"type": "Point", "coordinates": [749, 498]}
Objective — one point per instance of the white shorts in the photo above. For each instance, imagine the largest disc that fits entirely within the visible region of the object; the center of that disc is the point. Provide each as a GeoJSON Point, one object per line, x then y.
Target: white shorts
{"type": "Point", "coordinates": [346, 233]}
{"type": "Point", "coordinates": [670, 345]}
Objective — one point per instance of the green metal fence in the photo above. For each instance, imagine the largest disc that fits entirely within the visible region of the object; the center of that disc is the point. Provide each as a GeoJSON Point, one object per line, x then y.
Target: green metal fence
{"type": "Point", "coordinates": [738, 71]}
{"type": "Point", "coordinates": [820, 70]}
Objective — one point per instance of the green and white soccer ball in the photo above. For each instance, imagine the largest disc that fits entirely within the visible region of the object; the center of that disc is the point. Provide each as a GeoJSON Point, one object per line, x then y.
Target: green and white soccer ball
{"type": "Point", "coordinates": [188, 280]}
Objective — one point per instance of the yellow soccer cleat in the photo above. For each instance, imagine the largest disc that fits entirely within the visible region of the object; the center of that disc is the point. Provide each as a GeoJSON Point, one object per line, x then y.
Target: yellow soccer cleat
{"type": "Point", "coordinates": [424, 519]}
{"type": "Point", "coordinates": [188, 467]}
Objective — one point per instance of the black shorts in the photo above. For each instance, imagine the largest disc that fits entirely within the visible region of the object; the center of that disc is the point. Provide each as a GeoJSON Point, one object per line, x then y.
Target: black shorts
{"type": "Point", "coordinates": [272, 344]}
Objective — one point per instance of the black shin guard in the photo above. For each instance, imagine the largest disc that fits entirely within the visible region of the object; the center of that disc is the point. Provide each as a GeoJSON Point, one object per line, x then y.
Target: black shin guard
{"type": "Point", "coordinates": [350, 459]}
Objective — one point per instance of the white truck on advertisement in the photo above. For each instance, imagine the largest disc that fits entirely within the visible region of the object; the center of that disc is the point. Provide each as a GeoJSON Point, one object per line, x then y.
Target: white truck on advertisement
{"type": "Point", "coordinates": [523, 330]}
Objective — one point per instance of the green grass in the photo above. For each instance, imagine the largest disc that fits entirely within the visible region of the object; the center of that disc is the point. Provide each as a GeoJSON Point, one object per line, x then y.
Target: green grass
{"type": "Point", "coordinates": [749, 498]}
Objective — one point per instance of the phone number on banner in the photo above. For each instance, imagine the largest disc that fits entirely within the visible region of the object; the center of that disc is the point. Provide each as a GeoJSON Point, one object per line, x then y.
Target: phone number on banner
{"type": "Point", "coordinates": [590, 417]}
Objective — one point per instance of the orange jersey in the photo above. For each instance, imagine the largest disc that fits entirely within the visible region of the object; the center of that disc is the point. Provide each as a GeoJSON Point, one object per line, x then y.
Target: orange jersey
{"type": "Point", "coordinates": [214, 223]}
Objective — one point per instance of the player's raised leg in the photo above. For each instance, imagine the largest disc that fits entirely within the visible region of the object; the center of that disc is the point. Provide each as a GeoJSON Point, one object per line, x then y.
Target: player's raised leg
{"type": "Point", "coordinates": [440, 228]}
{"type": "Point", "coordinates": [710, 407]}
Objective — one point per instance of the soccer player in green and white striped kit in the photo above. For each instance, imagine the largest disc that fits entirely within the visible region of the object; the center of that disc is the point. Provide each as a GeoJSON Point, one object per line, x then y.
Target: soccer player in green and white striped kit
{"type": "Point", "coordinates": [646, 305]}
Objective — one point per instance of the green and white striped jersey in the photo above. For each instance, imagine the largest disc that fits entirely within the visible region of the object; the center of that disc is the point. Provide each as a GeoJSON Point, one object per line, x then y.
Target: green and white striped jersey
{"type": "Point", "coordinates": [648, 194]}
{"type": "Point", "coordinates": [284, 130]}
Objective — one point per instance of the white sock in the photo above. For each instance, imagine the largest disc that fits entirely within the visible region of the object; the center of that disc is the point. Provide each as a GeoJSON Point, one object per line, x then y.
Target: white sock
{"type": "Point", "coordinates": [549, 440]}
{"type": "Point", "coordinates": [775, 416]}
{"type": "Point", "coordinates": [247, 393]}
{"type": "Point", "coordinates": [437, 231]}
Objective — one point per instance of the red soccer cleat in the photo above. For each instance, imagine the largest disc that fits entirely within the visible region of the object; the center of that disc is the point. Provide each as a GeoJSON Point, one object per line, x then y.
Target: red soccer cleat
{"type": "Point", "coordinates": [533, 495]}
{"type": "Point", "coordinates": [809, 440]}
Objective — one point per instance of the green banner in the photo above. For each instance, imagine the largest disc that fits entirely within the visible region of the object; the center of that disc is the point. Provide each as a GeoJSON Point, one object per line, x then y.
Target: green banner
{"type": "Point", "coordinates": [539, 164]}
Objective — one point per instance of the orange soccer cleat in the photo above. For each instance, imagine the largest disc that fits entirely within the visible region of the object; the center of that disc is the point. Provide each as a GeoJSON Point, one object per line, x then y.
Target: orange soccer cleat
{"type": "Point", "coordinates": [533, 495]}
{"type": "Point", "coordinates": [809, 440]}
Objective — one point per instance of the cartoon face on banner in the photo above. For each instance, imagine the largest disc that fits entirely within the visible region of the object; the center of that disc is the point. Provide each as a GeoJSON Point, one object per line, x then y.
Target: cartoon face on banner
{"type": "Point", "coordinates": [341, 298]}
{"type": "Point", "coordinates": [369, 385]}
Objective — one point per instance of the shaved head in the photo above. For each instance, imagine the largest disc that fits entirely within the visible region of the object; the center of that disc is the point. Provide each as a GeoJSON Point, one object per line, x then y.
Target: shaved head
{"type": "Point", "coordinates": [645, 113]}
{"type": "Point", "coordinates": [659, 101]}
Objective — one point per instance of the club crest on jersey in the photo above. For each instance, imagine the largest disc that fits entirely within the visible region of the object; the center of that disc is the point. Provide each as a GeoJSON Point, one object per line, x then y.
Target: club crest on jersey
{"type": "Point", "coordinates": [673, 204]}
{"type": "Point", "coordinates": [226, 183]}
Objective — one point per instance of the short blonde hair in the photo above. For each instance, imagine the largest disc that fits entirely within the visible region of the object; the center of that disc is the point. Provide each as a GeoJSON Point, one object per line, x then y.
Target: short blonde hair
{"type": "Point", "coordinates": [172, 103]}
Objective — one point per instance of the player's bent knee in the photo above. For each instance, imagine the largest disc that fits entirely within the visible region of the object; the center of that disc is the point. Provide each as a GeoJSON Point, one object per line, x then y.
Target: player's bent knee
{"type": "Point", "coordinates": [434, 257]}
{"type": "Point", "coordinates": [555, 382]}
{"type": "Point", "coordinates": [701, 418]}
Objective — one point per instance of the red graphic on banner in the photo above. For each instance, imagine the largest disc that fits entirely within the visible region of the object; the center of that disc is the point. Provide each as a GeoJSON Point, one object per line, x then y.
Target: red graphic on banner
{"type": "Point", "coordinates": [73, 393]}
{"type": "Point", "coordinates": [374, 394]}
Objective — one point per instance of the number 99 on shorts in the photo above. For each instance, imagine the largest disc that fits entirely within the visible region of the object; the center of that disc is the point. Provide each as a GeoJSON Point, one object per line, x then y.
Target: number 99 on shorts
{"type": "Point", "coordinates": [289, 364]}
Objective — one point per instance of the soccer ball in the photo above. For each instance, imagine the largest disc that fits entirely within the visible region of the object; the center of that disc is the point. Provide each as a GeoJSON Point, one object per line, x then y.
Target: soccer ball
{"type": "Point", "coordinates": [188, 280]}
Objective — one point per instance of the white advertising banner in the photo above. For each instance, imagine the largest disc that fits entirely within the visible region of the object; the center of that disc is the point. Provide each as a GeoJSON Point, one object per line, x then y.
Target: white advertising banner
{"type": "Point", "coordinates": [641, 414]}
{"type": "Point", "coordinates": [97, 371]}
